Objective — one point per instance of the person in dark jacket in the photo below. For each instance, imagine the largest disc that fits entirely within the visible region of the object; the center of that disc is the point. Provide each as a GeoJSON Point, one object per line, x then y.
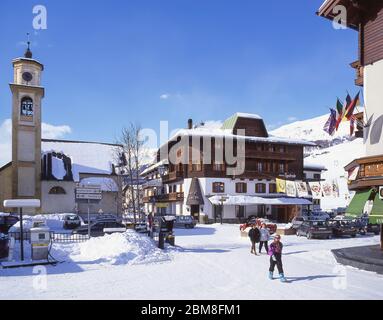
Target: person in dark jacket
{"type": "Point", "coordinates": [275, 253]}
{"type": "Point", "coordinates": [254, 236]}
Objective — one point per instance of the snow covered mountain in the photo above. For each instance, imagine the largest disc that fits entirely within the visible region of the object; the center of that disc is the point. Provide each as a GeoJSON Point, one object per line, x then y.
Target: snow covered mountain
{"type": "Point", "coordinates": [312, 130]}
{"type": "Point", "coordinates": [333, 152]}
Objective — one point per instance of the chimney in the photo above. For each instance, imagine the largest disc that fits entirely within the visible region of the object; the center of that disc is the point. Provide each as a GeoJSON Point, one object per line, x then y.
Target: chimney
{"type": "Point", "coordinates": [190, 124]}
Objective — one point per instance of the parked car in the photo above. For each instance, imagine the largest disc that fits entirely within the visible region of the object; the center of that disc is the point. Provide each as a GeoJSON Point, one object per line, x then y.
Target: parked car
{"type": "Point", "coordinates": [314, 229]}
{"type": "Point", "coordinates": [141, 227]}
{"type": "Point", "coordinates": [71, 221]}
{"type": "Point", "coordinates": [259, 221]}
{"type": "Point", "coordinates": [318, 215]}
{"type": "Point", "coordinates": [297, 221]}
{"type": "Point", "coordinates": [344, 227]}
{"type": "Point", "coordinates": [6, 222]}
{"type": "Point", "coordinates": [187, 222]}
{"type": "Point", "coordinates": [373, 228]}
{"type": "Point", "coordinates": [101, 227]}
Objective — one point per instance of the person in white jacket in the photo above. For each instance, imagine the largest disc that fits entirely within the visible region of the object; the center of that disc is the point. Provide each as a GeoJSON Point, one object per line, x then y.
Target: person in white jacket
{"type": "Point", "coordinates": [264, 238]}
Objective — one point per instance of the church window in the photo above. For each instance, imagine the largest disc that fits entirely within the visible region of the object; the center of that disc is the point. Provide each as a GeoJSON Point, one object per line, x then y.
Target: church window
{"type": "Point", "coordinates": [57, 190]}
{"type": "Point", "coordinates": [26, 107]}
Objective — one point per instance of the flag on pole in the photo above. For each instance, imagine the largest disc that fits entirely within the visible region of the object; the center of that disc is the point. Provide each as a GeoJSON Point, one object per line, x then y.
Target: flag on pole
{"type": "Point", "coordinates": [351, 107]}
{"type": "Point", "coordinates": [352, 125]}
{"type": "Point", "coordinates": [329, 126]}
{"type": "Point", "coordinates": [340, 109]}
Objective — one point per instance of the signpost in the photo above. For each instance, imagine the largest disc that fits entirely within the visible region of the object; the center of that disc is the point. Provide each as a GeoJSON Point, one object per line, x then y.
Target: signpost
{"type": "Point", "coordinates": [222, 200]}
{"type": "Point", "coordinates": [89, 193]}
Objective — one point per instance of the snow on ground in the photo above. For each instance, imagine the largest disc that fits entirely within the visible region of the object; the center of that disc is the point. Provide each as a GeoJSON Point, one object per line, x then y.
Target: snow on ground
{"type": "Point", "coordinates": [210, 262]}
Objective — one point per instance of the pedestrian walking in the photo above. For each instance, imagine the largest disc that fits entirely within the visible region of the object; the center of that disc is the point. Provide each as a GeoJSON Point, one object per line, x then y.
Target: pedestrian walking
{"type": "Point", "coordinates": [275, 253]}
{"type": "Point", "coordinates": [264, 238]}
{"type": "Point", "coordinates": [254, 236]}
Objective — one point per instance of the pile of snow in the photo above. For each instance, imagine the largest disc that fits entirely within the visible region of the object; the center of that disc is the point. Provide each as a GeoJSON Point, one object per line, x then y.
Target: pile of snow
{"type": "Point", "coordinates": [129, 247]}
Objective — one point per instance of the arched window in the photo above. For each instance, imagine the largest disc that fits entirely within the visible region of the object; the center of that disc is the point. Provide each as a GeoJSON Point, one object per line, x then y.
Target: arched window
{"type": "Point", "coordinates": [57, 190]}
{"type": "Point", "coordinates": [26, 108]}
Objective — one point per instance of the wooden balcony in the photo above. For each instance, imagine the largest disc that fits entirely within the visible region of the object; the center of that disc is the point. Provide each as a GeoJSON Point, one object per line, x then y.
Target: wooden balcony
{"type": "Point", "coordinates": [359, 73]}
{"type": "Point", "coordinates": [370, 172]}
{"type": "Point", "coordinates": [166, 197]}
{"type": "Point", "coordinates": [172, 176]}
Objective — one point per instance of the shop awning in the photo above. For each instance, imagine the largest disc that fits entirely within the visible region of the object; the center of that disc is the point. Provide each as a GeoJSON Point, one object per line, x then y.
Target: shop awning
{"type": "Point", "coordinates": [356, 206]}
{"type": "Point", "coordinates": [253, 200]}
{"type": "Point", "coordinates": [376, 215]}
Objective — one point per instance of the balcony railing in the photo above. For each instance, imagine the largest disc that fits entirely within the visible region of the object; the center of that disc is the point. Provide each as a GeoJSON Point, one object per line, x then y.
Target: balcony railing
{"type": "Point", "coordinates": [370, 172]}
{"type": "Point", "coordinates": [166, 197]}
{"type": "Point", "coordinates": [172, 176]}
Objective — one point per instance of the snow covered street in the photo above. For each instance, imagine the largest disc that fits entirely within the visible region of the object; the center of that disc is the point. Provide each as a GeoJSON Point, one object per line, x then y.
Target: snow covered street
{"type": "Point", "coordinates": [210, 262]}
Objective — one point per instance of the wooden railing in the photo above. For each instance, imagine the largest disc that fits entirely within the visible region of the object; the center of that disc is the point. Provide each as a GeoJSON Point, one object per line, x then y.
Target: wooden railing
{"type": "Point", "coordinates": [166, 197]}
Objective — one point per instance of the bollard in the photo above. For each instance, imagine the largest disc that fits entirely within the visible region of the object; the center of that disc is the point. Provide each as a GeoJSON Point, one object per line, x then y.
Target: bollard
{"type": "Point", "coordinates": [161, 240]}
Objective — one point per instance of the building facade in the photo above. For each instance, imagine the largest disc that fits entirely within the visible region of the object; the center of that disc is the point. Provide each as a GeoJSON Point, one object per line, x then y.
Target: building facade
{"type": "Point", "coordinates": [193, 174]}
{"type": "Point", "coordinates": [366, 174]}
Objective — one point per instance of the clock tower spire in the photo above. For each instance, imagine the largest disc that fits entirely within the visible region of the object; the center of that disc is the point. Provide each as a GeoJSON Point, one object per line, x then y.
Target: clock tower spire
{"type": "Point", "coordinates": [27, 95]}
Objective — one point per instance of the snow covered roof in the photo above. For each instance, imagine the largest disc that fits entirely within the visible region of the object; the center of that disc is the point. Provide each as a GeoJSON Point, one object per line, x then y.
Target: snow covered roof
{"type": "Point", "coordinates": [314, 166]}
{"type": "Point", "coordinates": [154, 166]}
{"type": "Point", "coordinates": [226, 133]}
{"type": "Point", "coordinates": [107, 184]}
{"type": "Point", "coordinates": [230, 122]}
{"type": "Point", "coordinates": [87, 157]}
{"type": "Point", "coordinates": [250, 200]}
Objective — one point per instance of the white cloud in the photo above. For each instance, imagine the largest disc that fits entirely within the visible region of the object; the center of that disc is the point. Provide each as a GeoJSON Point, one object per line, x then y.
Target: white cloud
{"type": "Point", "coordinates": [164, 96]}
{"type": "Point", "coordinates": [48, 131]}
{"type": "Point", "coordinates": [54, 132]}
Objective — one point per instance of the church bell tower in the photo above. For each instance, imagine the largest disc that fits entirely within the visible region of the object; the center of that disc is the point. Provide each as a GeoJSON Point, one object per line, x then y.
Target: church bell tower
{"type": "Point", "coordinates": [27, 95]}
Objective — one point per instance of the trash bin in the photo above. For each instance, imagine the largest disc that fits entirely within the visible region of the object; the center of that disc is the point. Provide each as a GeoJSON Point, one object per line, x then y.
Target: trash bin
{"type": "Point", "coordinates": [161, 240]}
{"type": "Point", "coordinates": [4, 246]}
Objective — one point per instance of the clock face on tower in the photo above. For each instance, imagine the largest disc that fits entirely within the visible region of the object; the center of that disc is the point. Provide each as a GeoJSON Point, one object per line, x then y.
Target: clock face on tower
{"type": "Point", "coordinates": [27, 76]}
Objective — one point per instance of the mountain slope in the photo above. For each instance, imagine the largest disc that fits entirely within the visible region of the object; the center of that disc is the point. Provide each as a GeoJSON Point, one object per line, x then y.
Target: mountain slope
{"type": "Point", "coordinates": [333, 152]}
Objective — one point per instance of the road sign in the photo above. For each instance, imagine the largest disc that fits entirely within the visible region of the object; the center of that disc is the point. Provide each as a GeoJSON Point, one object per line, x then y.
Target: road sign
{"type": "Point", "coordinates": [89, 196]}
{"type": "Point", "coordinates": [88, 192]}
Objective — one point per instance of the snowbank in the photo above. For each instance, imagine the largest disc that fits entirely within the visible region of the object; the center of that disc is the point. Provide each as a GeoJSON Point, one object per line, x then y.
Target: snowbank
{"type": "Point", "coordinates": [117, 249]}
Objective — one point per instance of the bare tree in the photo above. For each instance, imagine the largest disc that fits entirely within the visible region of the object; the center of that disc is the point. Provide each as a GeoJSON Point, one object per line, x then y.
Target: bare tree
{"type": "Point", "coordinates": [132, 144]}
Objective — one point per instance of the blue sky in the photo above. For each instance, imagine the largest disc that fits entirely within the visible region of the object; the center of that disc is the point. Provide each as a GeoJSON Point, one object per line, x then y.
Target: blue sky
{"type": "Point", "coordinates": [111, 62]}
